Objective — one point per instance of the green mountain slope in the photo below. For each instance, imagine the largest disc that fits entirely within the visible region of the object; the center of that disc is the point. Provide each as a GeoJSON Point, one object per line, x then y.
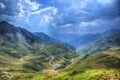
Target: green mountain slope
{"type": "Point", "coordinates": [104, 59]}
{"type": "Point", "coordinates": [22, 52]}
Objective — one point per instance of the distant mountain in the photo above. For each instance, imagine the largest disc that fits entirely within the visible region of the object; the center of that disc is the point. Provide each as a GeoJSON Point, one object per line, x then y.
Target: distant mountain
{"type": "Point", "coordinates": [45, 37]}
{"type": "Point", "coordinates": [103, 56]}
{"type": "Point", "coordinates": [86, 40]}
{"type": "Point", "coordinates": [26, 52]}
{"type": "Point", "coordinates": [83, 40]}
{"type": "Point", "coordinates": [27, 56]}
{"type": "Point", "coordinates": [64, 37]}
{"type": "Point", "coordinates": [99, 61]}
{"type": "Point", "coordinates": [49, 39]}
{"type": "Point", "coordinates": [108, 40]}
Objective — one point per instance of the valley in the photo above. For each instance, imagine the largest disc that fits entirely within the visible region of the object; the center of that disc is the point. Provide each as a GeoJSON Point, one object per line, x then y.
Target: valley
{"type": "Point", "coordinates": [36, 56]}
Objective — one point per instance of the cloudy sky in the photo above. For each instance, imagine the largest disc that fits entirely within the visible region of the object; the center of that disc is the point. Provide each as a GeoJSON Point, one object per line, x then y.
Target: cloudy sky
{"type": "Point", "coordinates": [62, 16]}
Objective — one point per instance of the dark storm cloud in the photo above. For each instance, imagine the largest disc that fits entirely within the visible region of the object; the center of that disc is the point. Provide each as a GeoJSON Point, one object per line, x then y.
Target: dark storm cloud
{"type": "Point", "coordinates": [84, 10]}
{"type": "Point", "coordinates": [13, 9]}
{"type": "Point", "coordinates": [83, 15]}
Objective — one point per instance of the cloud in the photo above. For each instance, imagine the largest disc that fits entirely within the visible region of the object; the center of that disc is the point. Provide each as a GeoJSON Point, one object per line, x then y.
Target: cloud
{"type": "Point", "coordinates": [48, 9]}
{"type": "Point", "coordinates": [68, 25]}
{"type": "Point", "coordinates": [2, 5]}
{"type": "Point", "coordinates": [45, 19]}
{"type": "Point", "coordinates": [83, 10]}
{"type": "Point", "coordinates": [10, 9]}
{"type": "Point", "coordinates": [63, 16]}
{"type": "Point", "coordinates": [106, 2]}
{"type": "Point", "coordinates": [86, 24]}
{"type": "Point", "coordinates": [21, 8]}
{"type": "Point", "coordinates": [28, 14]}
{"type": "Point", "coordinates": [86, 16]}
{"type": "Point", "coordinates": [32, 5]}
{"type": "Point", "coordinates": [18, 7]}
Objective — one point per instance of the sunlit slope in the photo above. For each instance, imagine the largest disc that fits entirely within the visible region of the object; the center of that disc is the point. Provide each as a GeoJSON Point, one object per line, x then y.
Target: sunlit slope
{"type": "Point", "coordinates": [104, 59]}
{"type": "Point", "coordinates": [102, 65]}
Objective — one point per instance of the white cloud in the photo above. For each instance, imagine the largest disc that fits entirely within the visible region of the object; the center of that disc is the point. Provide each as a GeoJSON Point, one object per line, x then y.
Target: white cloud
{"type": "Point", "coordinates": [21, 9]}
{"type": "Point", "coordinates": [33, 5]}
{"type": "Point", "coordinates": [79, 4]}
{"type": "Point", "coordinates": [46, 19]}
{"type": "Point", "coordinates": [105, 2]}
{"type": "Point", "coordinates": [2, 5]}
{"type": "Point", "coordinates": [67, 25]}
{"type": "Point", "coordinates": [87, 24]}
{"type": "Point", "coordinates": [52, 9]}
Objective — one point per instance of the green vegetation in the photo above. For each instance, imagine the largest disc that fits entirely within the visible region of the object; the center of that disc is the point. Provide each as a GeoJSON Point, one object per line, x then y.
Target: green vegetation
{"type": "Point", "coordinates": [103, 65]}
{"type": "Point", "coordinates": [98, 66]}
{"type": "Point", "coordinates": [94, 74]}
{"type": "Point", "coordinates": [25, 57]}
{"type": "Point", "coordinates": [104, 59]}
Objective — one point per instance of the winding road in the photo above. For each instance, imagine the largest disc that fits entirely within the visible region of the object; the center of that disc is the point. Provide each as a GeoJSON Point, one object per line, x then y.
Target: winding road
{"type": "Point", "coordinates": [54, 65]}
{"type": "Point", "coordinates": [6, 74]}
{"type": "Point", "coordinates": [51, 60]}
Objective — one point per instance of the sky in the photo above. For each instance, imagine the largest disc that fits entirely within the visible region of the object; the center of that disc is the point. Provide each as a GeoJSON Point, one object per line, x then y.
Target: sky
{"type": "Point", "coordinates": [62, 16]}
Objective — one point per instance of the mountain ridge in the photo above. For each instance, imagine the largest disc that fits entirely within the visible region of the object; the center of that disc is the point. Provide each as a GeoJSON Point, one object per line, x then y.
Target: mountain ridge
{"type": "Point", "coordinates": [31, 53]}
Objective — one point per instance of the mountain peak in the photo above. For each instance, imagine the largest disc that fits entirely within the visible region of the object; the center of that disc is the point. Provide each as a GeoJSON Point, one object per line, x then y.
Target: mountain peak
{"type": "Point", "coordinates": [3, 21]}
{"type": "Point", "coordinates": [6, 27]}
{"type": "Point", "coordinates": [14, 33]}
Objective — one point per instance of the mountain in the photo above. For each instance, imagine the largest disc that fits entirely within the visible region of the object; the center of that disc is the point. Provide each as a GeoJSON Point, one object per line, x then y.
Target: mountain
{"type": "Point", "coordinates": [11, 33]}
{"type": "Point", "coordinates": [21, 51]}
{"type": "Point", "coordinates": [25, 56]}
{"type": "Point", "coordinates": [109, 39]}
{"type": "Point", "coordinates": [101, 61]}
{"type": "Point", "coordinates": [45, 37]}
{"type": "Point", "coordinates": [103, 65]}
{"type": "Point", "coordinates": [64, 37]}
{"type": "Point", "coordinates": [49, 39]}
{"type": "Point", "coordinates": [83, 40]}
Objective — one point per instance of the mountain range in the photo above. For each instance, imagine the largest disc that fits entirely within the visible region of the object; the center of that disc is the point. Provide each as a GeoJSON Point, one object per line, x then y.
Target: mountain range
{"type": "Point", "coordinates": [49, 39]}
{"type": "Point", "coordinates": [107, 40]}
{"type": "Point", "coordinates": [36, 56]}
{"type": "Point", "coordinates": [100, 60]}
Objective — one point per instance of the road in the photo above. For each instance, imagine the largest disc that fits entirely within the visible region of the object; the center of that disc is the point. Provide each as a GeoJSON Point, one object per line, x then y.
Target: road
{"type": "Point", "coordinates": [7, 74]}
{"type": "Point", "coordinates": [54, 66]}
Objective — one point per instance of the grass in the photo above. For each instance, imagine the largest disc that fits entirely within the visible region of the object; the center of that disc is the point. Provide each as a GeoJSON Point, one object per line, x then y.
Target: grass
{"type": "Point", "coordinates": [93, 74]}
{"type": "Point", "coordinates": [100, 66]}
{"type": "Point", "coordinates": [97, 66]}
{"type": "Point", "coordinates": [70, 75]}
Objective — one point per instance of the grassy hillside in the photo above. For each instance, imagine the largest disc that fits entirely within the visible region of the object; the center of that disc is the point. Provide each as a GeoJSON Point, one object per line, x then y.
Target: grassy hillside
{"type": "Point", "coordinates": [104, 59]}
{"type": "Point", "coordinates": [21, 52]}
{"type": "Point", "coordinates": [103, 65]}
